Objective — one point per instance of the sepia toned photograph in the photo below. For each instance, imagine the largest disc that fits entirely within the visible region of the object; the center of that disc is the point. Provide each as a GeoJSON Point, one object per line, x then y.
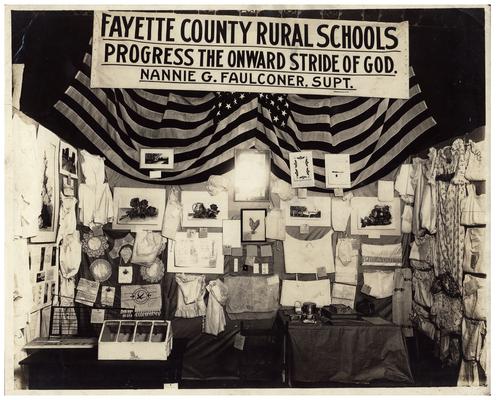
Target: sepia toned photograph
{"type": "Point", "coordinates": [247, 200]}
{"type": "Point", "coordinates": [157, 158]}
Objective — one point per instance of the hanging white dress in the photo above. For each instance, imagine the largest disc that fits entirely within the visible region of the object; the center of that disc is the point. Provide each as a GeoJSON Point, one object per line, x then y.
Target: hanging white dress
{"type": "Point", "coordinates": [95, 198]}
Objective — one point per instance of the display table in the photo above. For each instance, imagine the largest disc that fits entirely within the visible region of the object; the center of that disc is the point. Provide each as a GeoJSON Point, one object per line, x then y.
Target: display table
{"type": "Point", "coordinates": [80, 369]}
{"type": "Point", "coordinates": [346, 351]}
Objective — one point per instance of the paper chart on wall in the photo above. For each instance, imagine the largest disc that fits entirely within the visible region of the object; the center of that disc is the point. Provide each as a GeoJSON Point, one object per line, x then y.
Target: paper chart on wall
{"type": "Point", "coordinates": [196, 255]}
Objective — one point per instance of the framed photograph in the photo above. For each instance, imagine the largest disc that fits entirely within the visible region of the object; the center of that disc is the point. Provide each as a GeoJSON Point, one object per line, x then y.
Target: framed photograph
{"type": "Point", "coordinates": [253, 224]}
{"type": "Point", "coordinates": [337, 170]}
{"type": "Point", "coordinates": [191, 254]}
{"type": "Point", "coordinates": [156, 158]}
{"type": "Point", "coordinates": [252, 174]}
{"type": "Point", "coordinates": [48, 150]}
{"type": "Point", "coordinates": [138, 208]}
{"type": "Point", "coordinates": [68, 160]}
{"type": "Point", "coordinates": [200, 209]}
{"type": "Point", "coordinates": [301, 169]}
{"type": "Point", "coordinates": [312, 211]}
{"type": "Point", "coordinates": [374, 218]}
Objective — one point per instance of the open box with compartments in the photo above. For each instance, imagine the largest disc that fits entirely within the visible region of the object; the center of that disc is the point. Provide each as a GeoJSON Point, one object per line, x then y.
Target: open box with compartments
{"type": "Point", "coordinates": [135, 340]}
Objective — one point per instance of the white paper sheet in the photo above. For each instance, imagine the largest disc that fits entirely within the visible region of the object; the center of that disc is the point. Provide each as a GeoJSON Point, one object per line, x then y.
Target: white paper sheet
{"type": "Point", "coordinates": [385, 190]}
{"type": "Point", "coordinates": [337, 167]}
{"type": "Point", "coordinates": [232, 233]}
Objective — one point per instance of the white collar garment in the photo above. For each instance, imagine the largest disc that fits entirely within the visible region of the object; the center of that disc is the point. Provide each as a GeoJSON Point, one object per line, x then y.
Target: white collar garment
{"type": "Point", "coordinates": [306, 256]}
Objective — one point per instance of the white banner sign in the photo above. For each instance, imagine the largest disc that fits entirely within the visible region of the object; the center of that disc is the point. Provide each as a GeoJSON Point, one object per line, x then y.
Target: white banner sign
{"type": "Point", "coordinates": [252, 54]}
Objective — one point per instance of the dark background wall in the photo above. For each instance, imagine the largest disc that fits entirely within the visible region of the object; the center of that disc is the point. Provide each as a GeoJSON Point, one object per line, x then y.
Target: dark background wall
{"type": "Point", "coordinates": [447, 52]}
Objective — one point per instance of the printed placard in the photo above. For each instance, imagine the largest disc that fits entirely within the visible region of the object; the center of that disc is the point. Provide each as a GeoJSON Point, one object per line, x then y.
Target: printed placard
{"type": "Point", "coordinates": [301, 170]}
{"type": "Point", "coordinates": [163, 50]}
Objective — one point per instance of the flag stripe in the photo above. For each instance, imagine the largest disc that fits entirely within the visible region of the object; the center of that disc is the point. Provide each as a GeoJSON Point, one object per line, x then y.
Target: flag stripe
{"type": "Point", "coordinates": [205, 128]}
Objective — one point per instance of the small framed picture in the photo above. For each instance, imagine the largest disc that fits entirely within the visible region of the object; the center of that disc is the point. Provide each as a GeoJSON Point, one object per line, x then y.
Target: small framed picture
{"type": "Point", "coordinates": [156, 158]}
{"type": "Point", "coordinates": [68, 160]}
{"type": "Point", "coordinates": [252, 174]}
{"type": "Point", "coordinates": [253, 224]}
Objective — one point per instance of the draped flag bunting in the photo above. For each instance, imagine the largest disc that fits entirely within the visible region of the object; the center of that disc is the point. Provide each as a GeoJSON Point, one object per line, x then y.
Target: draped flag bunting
{"type": "Point", "coordinates": [205, 128]}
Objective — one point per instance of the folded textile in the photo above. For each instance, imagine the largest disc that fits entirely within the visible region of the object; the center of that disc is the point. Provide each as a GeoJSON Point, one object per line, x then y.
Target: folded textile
{"type": "Point", "coordinates": [388, 255]}
{"type": "Point", "coordinates": [146, 300]}
{"type": "Point", "coordinates": [252, 293]}
{"type": "Point", "coordinates": [343, 294]}
{"type": "Point", "coordinates": [318, 292]}
{"type": "Point", "coordinates": [378, 284]}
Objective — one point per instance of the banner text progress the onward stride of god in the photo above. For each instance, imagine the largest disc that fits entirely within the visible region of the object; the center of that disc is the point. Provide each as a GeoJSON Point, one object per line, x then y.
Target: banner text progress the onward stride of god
{"type": "Point", "coordinates": [253, 54]}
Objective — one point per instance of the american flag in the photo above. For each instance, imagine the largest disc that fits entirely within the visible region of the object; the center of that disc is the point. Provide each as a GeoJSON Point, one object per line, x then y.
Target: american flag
{"type": "Point", "coordinates": [205, 128]}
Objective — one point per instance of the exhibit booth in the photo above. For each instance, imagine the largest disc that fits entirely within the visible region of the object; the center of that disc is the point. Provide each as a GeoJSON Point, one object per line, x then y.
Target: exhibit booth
{"type": "Point", "coordinates": [248, 198]}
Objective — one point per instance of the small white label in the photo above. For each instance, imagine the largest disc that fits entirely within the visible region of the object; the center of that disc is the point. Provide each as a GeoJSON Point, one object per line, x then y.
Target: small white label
{"type": "Point", "coordinates": [239, 342]}
{"type": "Point", "coordinates": [265, 268]}
{"type": "Point", "coordinates": [256, 268]}
{"type": "Point", "coordinates": [171, 386]}
{"type": "Point", "coordinates": [155, 174]}
{"type": "Point", "coordinates": [97, 316]}
{"type": "Point", "coordinates": [235, 265]}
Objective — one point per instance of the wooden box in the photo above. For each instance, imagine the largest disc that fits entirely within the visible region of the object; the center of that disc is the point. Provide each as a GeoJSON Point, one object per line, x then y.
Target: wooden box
{"type": "Point", "coordinates": [135, 340]}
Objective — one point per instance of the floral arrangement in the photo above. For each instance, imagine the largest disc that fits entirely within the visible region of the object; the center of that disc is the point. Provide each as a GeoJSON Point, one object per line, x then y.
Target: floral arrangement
{"type": "Point", "coordinates": [139, 209]}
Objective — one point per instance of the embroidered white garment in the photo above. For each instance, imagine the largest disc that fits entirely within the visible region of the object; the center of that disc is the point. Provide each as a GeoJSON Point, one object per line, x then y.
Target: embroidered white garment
{"type": "Point", "coordinates": [406, 226]}
{"type": "Point", "coordinates": [191, 294]}
{"type": "Point", "coordinates": [27, 188]}
{"type": "Point", "coordinates": [403, 183]}
{"type": "Point", "coordinates": [388, 255]}
{"type": "Point", "coordinates": [215, 321]}
{"type": "Point", "coordinates": [346, 262]}
{"type": "Point", "coordinates": [318, 292]}
{"type": "Point", "coordinates": [147, 246]}
{"type": "Point", "coordinates": [275, 224]}
{"type": "Point", "coordinates": [378, 284]}
{"type": "Point", "coordinates": [340, 213]}
{"type": "Point", "coordinates": [95, 197]}
{"type": "Point", "coordinates": [67, 217]}
{"type": "Point", "coordinates": [474, 251]}
{"type": "Point", "coordinates": [172, 215]}
{"type": "Point", "coordinates": [306, 256]}
{"type": "Point", "coordinates": [69, 260]}
{"type": "Point", "coordinates": [475, 297]}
